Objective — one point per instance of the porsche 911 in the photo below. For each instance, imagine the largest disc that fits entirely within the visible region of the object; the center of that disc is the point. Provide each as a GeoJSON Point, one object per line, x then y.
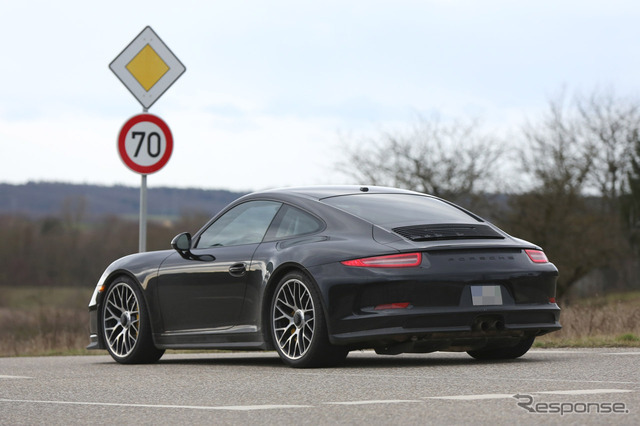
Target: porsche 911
{"type": "Point", "coordinates": [316, 272]}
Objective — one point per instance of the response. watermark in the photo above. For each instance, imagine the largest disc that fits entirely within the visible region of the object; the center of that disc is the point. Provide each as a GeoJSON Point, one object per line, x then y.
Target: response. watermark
{"type": "Point", "coordinates": [527, 402]}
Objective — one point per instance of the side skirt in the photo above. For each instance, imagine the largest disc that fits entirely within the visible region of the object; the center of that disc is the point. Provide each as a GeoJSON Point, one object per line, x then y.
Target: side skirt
{"type": "Point", "coordinates": [246, 337]}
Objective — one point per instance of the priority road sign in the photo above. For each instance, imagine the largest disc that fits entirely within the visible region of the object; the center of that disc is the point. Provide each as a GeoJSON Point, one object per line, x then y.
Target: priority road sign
{"type": "Point", "coordinates": [147, 67]}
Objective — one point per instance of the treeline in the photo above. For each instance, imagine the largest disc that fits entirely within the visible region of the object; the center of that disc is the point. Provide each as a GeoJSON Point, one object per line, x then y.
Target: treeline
{"type": "Point", "coordinates": [58, 234]}
{"type": "Point", "coordinates": [66, 250]}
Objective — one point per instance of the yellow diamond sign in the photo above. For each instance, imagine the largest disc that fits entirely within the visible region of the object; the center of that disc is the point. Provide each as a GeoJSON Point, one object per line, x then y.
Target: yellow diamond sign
{"type": "Point", "coordinates": [147, 67]}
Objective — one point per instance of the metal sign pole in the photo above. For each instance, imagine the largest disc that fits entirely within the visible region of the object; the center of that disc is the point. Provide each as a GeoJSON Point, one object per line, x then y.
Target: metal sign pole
{"type": "Point", "coordinates": [142, 238]}
{"type": "Point", "coordinates": [142, 242]}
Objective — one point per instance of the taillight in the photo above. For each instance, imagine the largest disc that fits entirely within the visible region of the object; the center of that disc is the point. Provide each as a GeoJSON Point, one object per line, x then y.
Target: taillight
{"type": "Point", "coordinates": [537, 256]}
{"type": "Point", "coordinates": [404, 260]}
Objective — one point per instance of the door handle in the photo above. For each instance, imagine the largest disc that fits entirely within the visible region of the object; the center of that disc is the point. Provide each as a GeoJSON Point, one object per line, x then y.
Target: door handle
{"type": "Point", "coordinates": [238, 269]}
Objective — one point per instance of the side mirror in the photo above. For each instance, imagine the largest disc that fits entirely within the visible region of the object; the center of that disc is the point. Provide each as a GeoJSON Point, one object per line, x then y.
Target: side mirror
{"type": "Point", "coordinates": [182, 244]}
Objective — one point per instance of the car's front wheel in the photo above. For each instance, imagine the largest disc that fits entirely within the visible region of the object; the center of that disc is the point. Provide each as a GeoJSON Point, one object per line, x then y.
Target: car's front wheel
{"type": "Point", "coordinates": [509, 352]}
{"type": "Point", "coordinates": [298, 326]}
{"type": "Point", "coordinates": [125, 324]}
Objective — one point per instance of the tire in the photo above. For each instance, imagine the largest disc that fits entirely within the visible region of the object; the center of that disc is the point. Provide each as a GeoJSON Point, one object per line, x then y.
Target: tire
{"type": "Point", "coordinates": [298, 325]}
{"type": "Point", "coordinates": [125, 324]}
{"type": "Point", "coordinates": [509, 352]}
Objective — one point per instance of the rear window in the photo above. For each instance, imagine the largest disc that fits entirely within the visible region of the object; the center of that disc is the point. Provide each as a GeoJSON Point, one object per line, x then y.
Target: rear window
{"type": "Point", "coordinates": [398, 209]}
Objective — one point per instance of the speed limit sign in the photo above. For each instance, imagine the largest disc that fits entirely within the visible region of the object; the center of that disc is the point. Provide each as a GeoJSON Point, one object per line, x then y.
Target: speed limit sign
{"type": "Point", "coordinates": [145, 143]}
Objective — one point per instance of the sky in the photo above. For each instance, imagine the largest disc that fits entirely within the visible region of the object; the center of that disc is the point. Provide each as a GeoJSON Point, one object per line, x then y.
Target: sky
{"type": "Point", "coordinates": [274, 91]}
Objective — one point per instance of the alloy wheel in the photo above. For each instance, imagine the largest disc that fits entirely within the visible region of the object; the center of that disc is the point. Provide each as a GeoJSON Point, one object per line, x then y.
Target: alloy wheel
{"type": "Point", "coordinates": [293, 319]}
{"type": "Point", "coordinates": [121, 319]}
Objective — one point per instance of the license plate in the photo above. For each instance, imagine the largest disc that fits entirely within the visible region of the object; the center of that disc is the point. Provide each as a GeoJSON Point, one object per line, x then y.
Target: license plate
{"type": "Point", "coordinates": [486, 295]}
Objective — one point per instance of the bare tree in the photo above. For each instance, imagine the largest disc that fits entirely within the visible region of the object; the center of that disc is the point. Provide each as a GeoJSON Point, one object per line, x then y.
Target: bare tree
{"type": "Point", "coordinates": [585, 144]}
{"type": "Point", "coordinates": [578, 158]}
{"type": "Point", "coordinates": [554, 155]}
{"type": "Point", "coordinates": [609, 128]}
{"type": "Point", "coordinates": [451, 160]}
{"type": "Point", "coordinates": [631, 200]}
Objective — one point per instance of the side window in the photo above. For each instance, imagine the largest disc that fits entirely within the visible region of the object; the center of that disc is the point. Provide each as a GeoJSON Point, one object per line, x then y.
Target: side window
{"type": "Point", "coordinates": [244, 224]}
{"type": "Point", "coordinates": [292, 221]}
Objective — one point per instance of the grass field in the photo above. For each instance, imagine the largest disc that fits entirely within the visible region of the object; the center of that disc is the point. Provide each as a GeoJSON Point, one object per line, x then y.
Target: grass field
{"type": "Point", "coordinates": [54, 321]}
{"type": "Point", "coordinates": [44, 321]}
{"type": "Point", "coordinates": [608, 321]}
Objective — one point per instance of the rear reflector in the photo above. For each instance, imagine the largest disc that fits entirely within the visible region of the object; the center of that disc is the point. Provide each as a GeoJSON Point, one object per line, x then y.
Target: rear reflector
{"type": "Point", "coordinates": [404, 260]}
{"type": "Point", "coordinates": [402, 305]}
{"type": "Point", "coordinates": [537, 256]}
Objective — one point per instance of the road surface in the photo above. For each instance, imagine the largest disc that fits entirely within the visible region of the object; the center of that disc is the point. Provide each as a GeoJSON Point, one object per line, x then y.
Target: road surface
{"type": "Point", "coordinates": [572, 386]}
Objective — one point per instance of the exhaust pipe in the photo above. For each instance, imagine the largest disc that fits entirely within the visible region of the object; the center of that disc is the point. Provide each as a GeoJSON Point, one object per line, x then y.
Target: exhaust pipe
{"type": "Point", "coordinates": [488, 324]}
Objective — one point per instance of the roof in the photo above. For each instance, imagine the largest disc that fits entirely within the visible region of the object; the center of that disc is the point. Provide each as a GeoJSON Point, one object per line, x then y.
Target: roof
{"type": "Point", "coordinates": [320, 192]}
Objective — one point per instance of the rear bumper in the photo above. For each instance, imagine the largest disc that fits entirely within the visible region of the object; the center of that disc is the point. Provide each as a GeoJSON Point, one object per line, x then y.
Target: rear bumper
{"type": "Point", "coordinates": [437, 329]}
{"type": "Point", "coordinates": [436, 305]}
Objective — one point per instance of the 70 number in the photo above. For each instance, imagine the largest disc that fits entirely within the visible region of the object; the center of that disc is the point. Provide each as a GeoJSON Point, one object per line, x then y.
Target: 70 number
{"type": "Point", "coordinates": [153, 141]}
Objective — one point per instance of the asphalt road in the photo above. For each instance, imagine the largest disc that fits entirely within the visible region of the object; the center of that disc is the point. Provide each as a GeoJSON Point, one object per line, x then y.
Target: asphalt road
{"type": "Point", "coordinates": [586, 386]}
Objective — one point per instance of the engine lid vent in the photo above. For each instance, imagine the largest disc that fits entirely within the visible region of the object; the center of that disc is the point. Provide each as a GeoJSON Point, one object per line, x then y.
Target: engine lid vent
{"type": "Point", "coordinates": [447, 232]}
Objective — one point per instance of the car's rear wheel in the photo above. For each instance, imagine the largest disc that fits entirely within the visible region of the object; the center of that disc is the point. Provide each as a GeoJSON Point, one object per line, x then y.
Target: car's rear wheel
{"type": "Point", "coordinates": [509, 352]}
{"type": "Point", "coordinates": [298, 325]}
{"type": "Point", "coordinates": [125, 324]}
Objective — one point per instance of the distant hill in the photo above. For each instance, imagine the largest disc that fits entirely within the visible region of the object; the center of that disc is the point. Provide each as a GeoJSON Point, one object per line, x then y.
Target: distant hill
{"type": "Point", "coordinates": [39, 199]}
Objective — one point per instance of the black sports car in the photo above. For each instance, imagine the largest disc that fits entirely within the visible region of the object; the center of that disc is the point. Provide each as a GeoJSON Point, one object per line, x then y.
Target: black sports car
{"type": "Point", "coordinates": [316, 272]}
